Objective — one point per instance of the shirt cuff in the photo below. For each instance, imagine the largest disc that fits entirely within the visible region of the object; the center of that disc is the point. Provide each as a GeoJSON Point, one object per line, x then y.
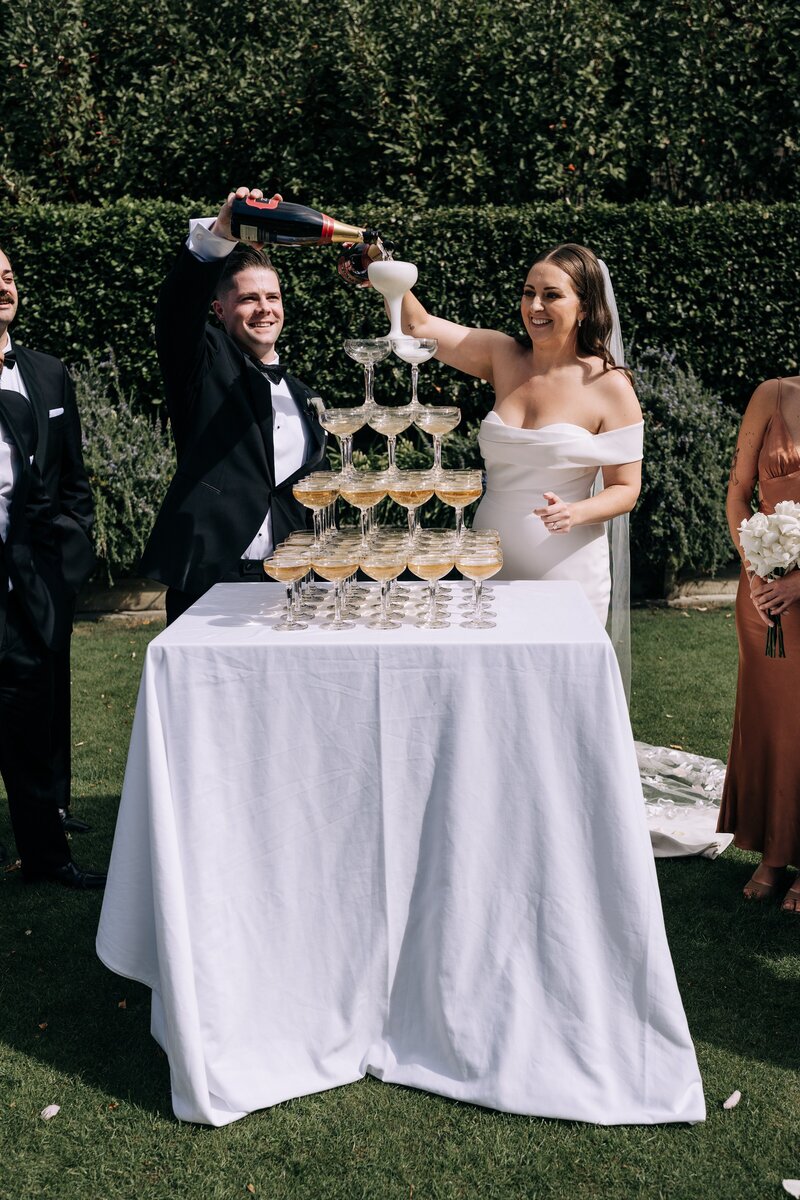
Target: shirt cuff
{"type": "Point", "coordinates": [204, 244]}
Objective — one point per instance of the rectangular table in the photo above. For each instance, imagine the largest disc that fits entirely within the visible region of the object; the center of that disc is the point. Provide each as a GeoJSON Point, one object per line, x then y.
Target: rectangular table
{"type": "Point", "coordinates": [418, 854]}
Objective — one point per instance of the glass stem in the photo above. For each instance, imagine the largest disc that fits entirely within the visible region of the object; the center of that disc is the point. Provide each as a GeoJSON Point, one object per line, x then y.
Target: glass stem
{"type": "Point", "coordinates": [391, 443]}
{"type": "Point", "coordinates": [346, 442]}
{"type": "Point", "coordinates": [431, 601]}
{"type": "Point", "coordinates": [289, 599]}
{"type": "Point", "coordinates": [362, 512]}
{"type": "Point", "coordinates": [369, 374]}
{"type": "Point", "coordinates": [384, 601]}
{"type": "Point", "coordinates": [437, 453]}
{"type": "Point", "coordinates": [478, 599]}
{"type": "Point", "coordinates": [412, 523]}
{"type": "Point", "coordinates": [337, 601]}
{"type": "Point", "coordinates": [317, 514]}
{"type": "Point", "coordinates": [459, 524]}
{"type": "Point", "coordinates": [414, 378]}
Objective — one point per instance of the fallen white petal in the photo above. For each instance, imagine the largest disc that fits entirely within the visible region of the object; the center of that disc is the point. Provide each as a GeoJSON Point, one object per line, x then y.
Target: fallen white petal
{"type": "Point", "coordinates": [792, 1186]}
{"type": "Point", "coordinates": [50, 1111]}
{"type": "Point", "coordinates": [733, 1100]}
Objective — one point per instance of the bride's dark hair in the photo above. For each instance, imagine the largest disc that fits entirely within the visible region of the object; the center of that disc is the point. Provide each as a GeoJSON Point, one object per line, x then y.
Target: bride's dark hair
{"type": "Point", "coordinates": [580, 263]}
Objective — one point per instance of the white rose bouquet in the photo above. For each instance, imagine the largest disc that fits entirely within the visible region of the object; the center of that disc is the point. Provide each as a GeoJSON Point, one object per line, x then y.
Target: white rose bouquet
{"type": "Point", "coordinates": [771, 545]}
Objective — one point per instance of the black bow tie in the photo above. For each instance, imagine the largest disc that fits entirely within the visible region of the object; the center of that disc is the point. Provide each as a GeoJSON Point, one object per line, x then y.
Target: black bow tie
{"type": "Point", "coordinates": [273, 371]}
{"type": "Point", "coordinates": [9, 358]}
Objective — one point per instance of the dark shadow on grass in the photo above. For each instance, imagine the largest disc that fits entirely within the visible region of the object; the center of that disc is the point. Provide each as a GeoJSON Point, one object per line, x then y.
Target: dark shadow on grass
{"type": "Point", "coordinates": [58, 1003]}
{"type": "Point", "coordinates": [731, 957]}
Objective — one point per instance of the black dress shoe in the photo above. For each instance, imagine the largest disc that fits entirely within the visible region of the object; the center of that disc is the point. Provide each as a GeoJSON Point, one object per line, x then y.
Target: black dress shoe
{"type": "Point", "coordinates": [71, 876]}
{"type": "Point", "coordinates": [72, 824]}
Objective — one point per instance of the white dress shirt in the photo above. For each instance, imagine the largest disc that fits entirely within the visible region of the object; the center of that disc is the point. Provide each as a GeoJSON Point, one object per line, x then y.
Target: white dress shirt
{"type": "Point", "coordinates": [290, 434]}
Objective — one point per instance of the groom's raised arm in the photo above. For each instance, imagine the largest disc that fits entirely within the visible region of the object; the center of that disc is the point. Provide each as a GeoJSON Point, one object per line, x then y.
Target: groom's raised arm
{"type": "Point", "coordinates": [182, 342]}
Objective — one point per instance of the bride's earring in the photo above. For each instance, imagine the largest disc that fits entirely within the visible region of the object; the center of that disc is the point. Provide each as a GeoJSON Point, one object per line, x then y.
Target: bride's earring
{"type": "Point", "coordinates": [580, 322]}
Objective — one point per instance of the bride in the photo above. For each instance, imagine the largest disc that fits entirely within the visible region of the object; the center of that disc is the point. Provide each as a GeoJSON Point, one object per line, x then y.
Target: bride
{"type": "Point", "coordinates": [563, 409]}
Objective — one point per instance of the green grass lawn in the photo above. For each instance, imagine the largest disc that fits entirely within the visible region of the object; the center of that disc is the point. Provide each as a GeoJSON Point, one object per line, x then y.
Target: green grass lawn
{"type": "Point", "coordinates": [73, 1034]}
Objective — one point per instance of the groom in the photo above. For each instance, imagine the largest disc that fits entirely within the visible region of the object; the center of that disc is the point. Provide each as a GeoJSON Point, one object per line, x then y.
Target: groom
{"type": "Point", "coordinates": [244, 430]}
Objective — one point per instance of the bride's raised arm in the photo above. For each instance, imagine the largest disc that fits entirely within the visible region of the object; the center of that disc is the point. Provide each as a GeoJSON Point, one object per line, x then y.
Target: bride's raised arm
{"type": "Point", "coordinates": [473, 351]}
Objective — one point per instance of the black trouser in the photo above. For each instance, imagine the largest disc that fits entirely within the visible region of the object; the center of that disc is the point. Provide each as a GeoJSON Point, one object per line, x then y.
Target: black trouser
{"type": "Point", "coordinates": [61, 729]}
{"type": "Point", "coordinates": [26, 707]}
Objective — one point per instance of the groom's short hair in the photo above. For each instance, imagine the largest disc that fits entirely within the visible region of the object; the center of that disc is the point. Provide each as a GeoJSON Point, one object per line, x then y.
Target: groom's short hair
{"type": "Point", "coordinates": [242, 259]}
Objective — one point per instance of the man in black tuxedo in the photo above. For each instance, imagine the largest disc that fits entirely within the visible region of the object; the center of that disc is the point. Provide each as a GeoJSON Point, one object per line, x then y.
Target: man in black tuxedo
{"type": "Point", "coordinates": [35, 622]}
{"type": "Point", "coordinates": [43, 381]}
{"type": "Point", "coordinates": [244, 430]}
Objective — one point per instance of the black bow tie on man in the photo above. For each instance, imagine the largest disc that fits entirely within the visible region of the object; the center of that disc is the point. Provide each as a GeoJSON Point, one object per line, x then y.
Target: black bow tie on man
{"type": "Point", "coordinates": [273, 371]}
{"type": "Point", "coordinates": [8, 359]}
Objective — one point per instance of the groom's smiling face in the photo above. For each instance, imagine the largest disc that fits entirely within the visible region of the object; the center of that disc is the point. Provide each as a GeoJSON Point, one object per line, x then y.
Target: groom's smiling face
{"type": "Point", "coordinates": [550, 305]}
{"type": "Point", "coordinates": [252, 311]}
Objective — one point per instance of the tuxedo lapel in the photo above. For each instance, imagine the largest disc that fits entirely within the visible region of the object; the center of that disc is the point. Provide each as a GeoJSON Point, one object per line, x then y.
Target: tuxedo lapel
{"type": "Point", "coordinates": [10, 415]}
{"type": "Point", "coordinates": [38, 400]}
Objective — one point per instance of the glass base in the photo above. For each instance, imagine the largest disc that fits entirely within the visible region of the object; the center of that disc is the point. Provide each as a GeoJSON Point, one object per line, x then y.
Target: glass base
{"type": "Point", "coordinates": [482, 624]}
{"type": "Point", "coordinates": [379, 624]}
{"type": "Point", "coordinates": [337, 625]}
{"type": "Point", "coordinates": [288, 626]}
{"type": "Point", "coordinates": [435, 624]}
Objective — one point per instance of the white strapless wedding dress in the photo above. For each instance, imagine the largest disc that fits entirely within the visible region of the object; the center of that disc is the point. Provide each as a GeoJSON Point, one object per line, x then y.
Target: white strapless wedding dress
{"type": "Point", "coordinates": [522, 464]}
{"type": "Point", "coordinates": [681, 790]}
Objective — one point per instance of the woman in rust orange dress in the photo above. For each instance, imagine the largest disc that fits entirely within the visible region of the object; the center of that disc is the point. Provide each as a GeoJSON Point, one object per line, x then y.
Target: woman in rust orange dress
{"type": "Point", "coordinates": [761, 800]}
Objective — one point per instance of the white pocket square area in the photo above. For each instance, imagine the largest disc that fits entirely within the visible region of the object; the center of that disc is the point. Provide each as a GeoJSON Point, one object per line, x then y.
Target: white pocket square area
{"type": "Point", "coordinates": [55, 412]}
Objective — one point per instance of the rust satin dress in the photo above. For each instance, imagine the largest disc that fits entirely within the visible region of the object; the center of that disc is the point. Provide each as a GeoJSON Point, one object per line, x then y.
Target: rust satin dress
{"type": "Point", "coordinates": [761, 799]}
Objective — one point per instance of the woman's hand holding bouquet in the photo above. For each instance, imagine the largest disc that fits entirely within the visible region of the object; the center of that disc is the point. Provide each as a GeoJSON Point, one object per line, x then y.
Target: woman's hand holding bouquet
{"type": "Point", "coordinates": [771, 546]}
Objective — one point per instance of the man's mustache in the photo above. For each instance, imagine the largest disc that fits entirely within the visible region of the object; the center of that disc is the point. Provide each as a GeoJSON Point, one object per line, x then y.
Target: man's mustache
{"type": "Point", "coordinates": [6, 298]}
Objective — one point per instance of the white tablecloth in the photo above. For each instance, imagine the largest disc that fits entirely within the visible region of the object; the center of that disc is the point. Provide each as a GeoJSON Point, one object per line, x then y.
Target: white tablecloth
{"type": "Point", "coordinates": [417, 854]}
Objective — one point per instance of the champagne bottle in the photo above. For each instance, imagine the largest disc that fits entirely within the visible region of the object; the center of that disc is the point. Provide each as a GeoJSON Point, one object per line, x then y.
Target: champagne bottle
{"type": "Point", "coordinates": [278, 222]}
{"type": "Point", "coordinates": [353, 264]}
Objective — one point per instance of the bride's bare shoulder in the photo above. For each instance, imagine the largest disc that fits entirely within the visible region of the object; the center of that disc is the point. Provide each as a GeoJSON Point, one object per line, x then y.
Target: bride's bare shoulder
{"type": "Point", "coordinates": [617, 398]}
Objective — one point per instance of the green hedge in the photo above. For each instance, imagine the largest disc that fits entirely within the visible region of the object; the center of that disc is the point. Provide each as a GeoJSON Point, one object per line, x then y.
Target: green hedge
{"type": "Point", "coordinates": [437, 103]}
{"type": "Point", "coordinates": [717, 285]}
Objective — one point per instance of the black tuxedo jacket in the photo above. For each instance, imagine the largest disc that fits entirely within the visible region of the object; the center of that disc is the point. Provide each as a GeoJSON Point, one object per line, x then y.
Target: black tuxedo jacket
{"type": "Point", "coordinates": [220, 409]}
{"type": "Point", "coordinates": [30, 551]}
{"type": "Point", "coordinates": [59, 457]}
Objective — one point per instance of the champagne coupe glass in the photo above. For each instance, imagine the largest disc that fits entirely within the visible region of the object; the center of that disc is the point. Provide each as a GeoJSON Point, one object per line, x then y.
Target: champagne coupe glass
{"type": "Point", "coordinates": [343, 423]}
{"type": "Point", "coordinates": [431, 566]}
{"type": "Point", "coordinates": [303, 592]}
{"type": "Point", "coordinates": [437, 419]}
{"type": "Point", "coordinates": [384, 566]}
{"type": "Point", "coordinates": [288, 568]}
{"type": "Point", "coordinates": [393, 278]}
{"type": "Point", "coordinates": [316, 492]}
{"type": "Point", "coordinates": [434, 541]}
{"type": "Point", "coordinates": [458, 489]}
{"type": "Point", "coordinates": [391, 422]}
{"type": "Point", "coordinates": [336, 565]}
{"type": "Point", "coordinates": [411, 489]}
{"type": "Point", "coordinates": [368, 351]}
{"type": "Point", "coordinates": [478, 564]}
{"type": "Point", "coordinates": [363, 489]}
{"type": "Point", "coordinates": [393, 538]}
{"type": "Point", "coordinates": [479, 540]}
{"type": "Point", "coordinates": [414, 351]}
